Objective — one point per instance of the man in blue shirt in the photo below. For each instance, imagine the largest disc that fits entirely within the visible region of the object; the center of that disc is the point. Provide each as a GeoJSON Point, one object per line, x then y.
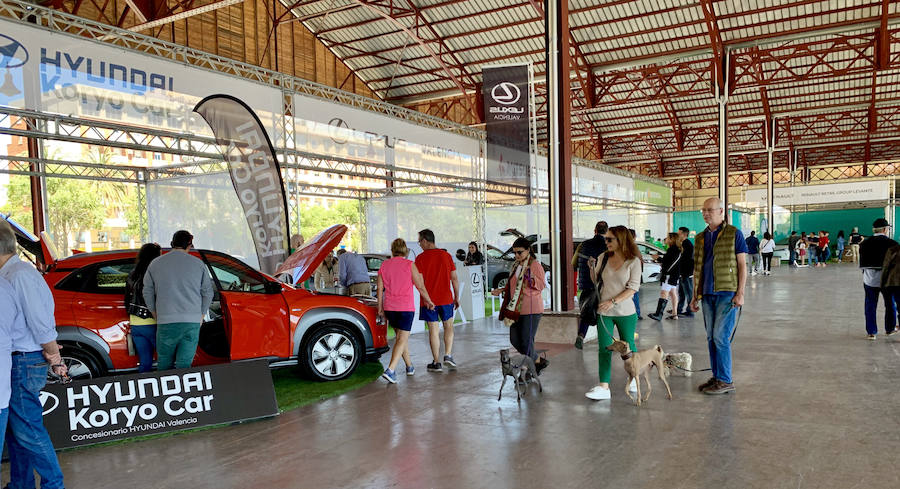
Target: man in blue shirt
{"type": "Point", "coordinates": [33, 347]}
{"type": "Point", "coordinates": [353, 273]}
{"type": "Point", "coordinates": [753, 251]}
{"type": "Point", "coordinates": [10, 319]}
{"type": "Point", "coordinates": [720, 257]}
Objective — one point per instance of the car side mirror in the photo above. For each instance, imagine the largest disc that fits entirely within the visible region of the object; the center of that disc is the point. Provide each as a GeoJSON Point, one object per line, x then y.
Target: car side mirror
{"type": "Point", "coordinates": [273, 288]}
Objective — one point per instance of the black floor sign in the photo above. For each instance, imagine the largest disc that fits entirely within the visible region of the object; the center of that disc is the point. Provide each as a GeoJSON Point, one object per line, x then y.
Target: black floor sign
{"type": "Point", "coordinates": [124, 406]}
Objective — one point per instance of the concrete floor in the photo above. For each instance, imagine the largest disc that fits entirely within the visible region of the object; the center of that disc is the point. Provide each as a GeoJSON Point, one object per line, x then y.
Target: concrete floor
{"type": "Point", "coordinates": [815, 407]}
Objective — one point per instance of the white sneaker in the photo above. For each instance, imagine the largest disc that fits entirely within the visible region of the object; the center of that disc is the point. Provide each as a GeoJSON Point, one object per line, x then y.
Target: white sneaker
{"type": "Point", "coordinates": [633, 386]}
{"type": "Point", "coordinates": [598, 393]}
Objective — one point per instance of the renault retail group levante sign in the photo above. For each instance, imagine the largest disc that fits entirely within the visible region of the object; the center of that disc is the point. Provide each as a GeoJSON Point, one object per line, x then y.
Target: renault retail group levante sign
{"type": "Point", "coordinates": [125, 406]}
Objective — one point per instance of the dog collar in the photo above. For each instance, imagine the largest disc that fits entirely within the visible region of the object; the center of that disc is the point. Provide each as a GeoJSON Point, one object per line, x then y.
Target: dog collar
{"type": "Point", "coordinates": [627, 355]}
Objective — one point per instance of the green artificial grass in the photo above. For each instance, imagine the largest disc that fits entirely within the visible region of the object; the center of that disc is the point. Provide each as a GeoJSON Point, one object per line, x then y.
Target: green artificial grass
{"type": "Point", "coordinates": [293, 391]}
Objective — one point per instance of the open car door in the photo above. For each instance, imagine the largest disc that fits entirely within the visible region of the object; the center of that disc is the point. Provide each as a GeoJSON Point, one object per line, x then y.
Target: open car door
{"type": "Point", "coordinates": [251, 320]}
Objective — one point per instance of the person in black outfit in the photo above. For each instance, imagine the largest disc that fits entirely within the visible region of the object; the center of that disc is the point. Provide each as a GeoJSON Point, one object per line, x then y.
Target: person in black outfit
{"type": "Point", "coordinates": [872, 252]}
{"type": "Point", "coordinates": [668, 278]}
{"type": "Point", "coordinates": [474, 257]}
{"type": "Point", "coordinates": [792, 247]}
{"type": "Point", "coordinates": [142, 323]}
{"type": "Point", "coordinates": [686, 284]}
{"type": "Point", "coordinates": [591, 248]}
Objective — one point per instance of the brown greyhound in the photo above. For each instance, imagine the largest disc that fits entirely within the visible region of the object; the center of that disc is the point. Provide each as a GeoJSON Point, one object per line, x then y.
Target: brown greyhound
{"type": "Point", "coordinates": [637, 363]}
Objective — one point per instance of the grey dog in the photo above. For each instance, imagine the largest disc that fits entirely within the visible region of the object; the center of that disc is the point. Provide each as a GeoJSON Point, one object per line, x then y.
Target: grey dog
{"type": "Point", "coordinates": [521, 369]}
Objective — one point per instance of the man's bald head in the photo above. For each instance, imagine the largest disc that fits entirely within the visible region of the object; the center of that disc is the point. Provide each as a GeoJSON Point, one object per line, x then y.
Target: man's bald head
{"type": "Point", "coordinates": [713, 213]}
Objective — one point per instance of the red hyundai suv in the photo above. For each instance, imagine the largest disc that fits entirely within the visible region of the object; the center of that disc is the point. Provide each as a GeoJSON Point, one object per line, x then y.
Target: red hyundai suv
{"type": "Point", "coordinates": [252, 316]}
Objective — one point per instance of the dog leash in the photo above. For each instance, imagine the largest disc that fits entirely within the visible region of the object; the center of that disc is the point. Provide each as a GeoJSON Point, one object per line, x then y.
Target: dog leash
{"type": "Point", "coordinates": [737, 320]}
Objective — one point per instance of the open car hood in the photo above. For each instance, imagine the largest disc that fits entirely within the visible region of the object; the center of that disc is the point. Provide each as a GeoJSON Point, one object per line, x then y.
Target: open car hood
{"type": "Point", "coordinates": [313, 253]}
{"type": "Point", "coordinates": [41, 248]}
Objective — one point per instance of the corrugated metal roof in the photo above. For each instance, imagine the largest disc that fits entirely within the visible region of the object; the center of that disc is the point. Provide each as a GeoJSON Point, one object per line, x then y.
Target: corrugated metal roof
{"type": "Point", "coordinates": [650, 58]}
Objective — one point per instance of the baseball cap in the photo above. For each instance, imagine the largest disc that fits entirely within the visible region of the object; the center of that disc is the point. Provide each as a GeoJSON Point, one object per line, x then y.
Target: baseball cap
{"type": "Point", "coordinates": [880, 223]}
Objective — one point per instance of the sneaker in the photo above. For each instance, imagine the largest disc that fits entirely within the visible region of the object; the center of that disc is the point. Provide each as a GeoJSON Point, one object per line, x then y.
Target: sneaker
{"type": "Point", "coordinates": [709, 383]}
{"type": "Point", "coordinates": [871, 337]}
{"type": "Point", "coordinates": [451, 365]}
{"type": "Point", "coordinates": [435, 367]}
{"type": "Point", "coordinates": [893, 331]}
{"type": "Point", "coordinates": [633, 386]}
{"type": "Point", "coordinates": [579, 343]}
{"type": "Point", "coordinates": [753, 273]}
{"type": "Point", "coordinates": [688, 314]}
{"type": "Point", "coordinates": [640, 318]}
{"type": "Point", "coordinates": [597, 393]}
{"type": "Point", "coordinates": [389, 376]}
{"type": "Point", "coordinates": [719, 388]}
{"type": "Point", "coordinates": [410, 371]}
{"type": "Point", "coordinates": [541, 364]}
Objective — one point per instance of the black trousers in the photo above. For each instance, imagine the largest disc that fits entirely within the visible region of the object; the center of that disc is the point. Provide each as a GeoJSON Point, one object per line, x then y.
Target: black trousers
{"type": "Point", "coordinates": [767, 261]}
{"type": "Point", "coordinates": [521, 334]}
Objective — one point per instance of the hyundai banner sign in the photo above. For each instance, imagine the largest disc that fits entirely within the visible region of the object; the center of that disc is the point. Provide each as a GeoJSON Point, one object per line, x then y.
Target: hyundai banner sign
{"type": "Point", "coordinates": [125, 406]}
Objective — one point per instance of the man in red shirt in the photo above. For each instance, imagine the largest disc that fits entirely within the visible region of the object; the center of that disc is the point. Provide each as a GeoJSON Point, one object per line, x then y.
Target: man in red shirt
{"type": "Point", "coordinates": [438, 272]}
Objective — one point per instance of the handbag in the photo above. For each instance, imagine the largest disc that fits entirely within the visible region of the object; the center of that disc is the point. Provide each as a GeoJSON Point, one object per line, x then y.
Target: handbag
{"type": "Point", "coordinates": [588, 309]}
{"type": "Point", "coordinates": [506, 313]}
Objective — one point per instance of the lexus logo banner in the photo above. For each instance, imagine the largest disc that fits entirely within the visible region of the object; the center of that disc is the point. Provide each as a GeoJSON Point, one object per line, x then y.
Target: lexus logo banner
{"type": "Point", "coordinates": [254, 173]}
{"type": "Point", "coordinates": [125, 406]}
{"type": "Point", "coordinates": [507, 118]}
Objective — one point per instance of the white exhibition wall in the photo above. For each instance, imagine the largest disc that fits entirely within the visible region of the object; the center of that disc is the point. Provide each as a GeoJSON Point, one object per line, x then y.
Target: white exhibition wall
{"type": "Point", "coordinates": [450, 215]}
{"type": "Point", "coordinates": [207, 206]}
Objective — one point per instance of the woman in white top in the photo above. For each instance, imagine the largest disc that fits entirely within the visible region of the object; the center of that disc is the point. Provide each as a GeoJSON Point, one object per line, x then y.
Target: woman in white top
{"type": "Point", "coordinates": [767, 250]}
{"type": "Point", "coordinates": [620, 268]}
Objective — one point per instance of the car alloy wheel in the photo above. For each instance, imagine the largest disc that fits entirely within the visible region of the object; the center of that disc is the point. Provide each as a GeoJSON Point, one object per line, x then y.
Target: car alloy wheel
{"type": "Point", "coordinates": [81, 366]}
{"type": "Point", "coordinates": [332, 353]}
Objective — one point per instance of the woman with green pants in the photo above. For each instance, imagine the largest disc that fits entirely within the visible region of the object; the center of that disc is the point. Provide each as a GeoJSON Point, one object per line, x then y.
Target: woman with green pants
{"type": "Point", "coordinates": [620, 269]}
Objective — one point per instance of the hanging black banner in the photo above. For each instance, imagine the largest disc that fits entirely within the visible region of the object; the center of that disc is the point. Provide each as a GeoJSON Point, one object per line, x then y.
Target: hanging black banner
{"type": "Point", "coordinates": [507, 116]}
{"type": "Point", "coordinates": [125, 406]}
{"type": "Point", "coordinates": [255, 175]}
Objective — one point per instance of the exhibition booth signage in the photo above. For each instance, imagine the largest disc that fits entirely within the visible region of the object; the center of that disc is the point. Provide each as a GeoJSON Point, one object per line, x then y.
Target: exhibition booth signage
{"type": "Point", "coordinates": [124, 406]}
{"type": "Point", "coordinates": [824, 194]}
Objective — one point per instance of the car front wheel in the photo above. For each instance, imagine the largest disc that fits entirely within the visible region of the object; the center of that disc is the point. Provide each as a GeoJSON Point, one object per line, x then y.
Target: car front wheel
{"type": "Point", "coordinates": [331, 352]}
{"type": "Point", "coordinates": [81, 365]}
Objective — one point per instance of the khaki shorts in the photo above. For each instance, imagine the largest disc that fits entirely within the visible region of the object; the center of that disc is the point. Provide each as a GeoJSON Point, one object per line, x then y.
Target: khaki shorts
{"type": "Point", "coordinates": [362, 288]}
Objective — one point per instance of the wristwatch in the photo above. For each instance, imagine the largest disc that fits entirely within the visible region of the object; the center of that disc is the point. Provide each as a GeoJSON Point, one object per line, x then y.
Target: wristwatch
{"type": "Point", "coordinates": [613, 300]}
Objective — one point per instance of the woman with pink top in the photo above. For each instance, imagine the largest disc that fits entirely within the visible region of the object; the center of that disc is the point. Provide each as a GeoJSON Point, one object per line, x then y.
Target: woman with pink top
{"type": "Point", "coordinates": [396, 303]}
{"type": "Point", "coordinates": [526, 281]}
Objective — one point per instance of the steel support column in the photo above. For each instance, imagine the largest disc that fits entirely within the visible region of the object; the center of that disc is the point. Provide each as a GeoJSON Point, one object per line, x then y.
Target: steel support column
{"type": "Point", "coordinates": [771, 132]}
{"type": "Point", "coordinates": [723, 153]}
{"type": "Point", "coordinates": [37, 185]}
{"type": "Point", "coordinates": [560, 153]}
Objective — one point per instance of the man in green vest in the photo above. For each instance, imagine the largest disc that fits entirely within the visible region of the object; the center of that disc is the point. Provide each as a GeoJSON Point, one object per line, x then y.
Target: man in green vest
{"type": "Point", "coordinates": [720, 272]}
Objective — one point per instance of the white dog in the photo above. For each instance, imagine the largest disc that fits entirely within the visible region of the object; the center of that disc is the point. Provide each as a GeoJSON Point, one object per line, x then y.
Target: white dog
{"type": "Point", "coordinates": [678, 362]}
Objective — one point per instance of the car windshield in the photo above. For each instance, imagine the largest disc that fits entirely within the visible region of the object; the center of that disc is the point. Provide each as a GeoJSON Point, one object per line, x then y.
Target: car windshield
{"type": "Point", "coordinates": [234, 275]}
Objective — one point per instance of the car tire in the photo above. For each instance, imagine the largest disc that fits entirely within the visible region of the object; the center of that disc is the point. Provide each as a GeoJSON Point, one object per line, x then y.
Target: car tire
{"type": "Point", "coordinates": [81, 362]}
{"type": "Point", "coordinates": [331, 352]}
{"type": "Point", "coordinates": [500, 280]}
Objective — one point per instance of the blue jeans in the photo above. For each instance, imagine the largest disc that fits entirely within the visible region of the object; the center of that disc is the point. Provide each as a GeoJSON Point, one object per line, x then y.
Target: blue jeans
{"type": "Point", "coordinates": [144, 338]}
{"type": "Point", "coordinates": [685, 294]}
{"type": "Point", "coordinates": [813, 255]}
{"type": "Point", "coordinates": [29, 444]}
{"type": "Point", "coordinates": [637, 302]}
{"type": "Point", "coordinates": [719, 315]}
{"type": "Point", "coordinates": [4, 415]}
{"type": "Point", "coordinates": [871, 308]}
{"type": "Point", "coordinates": [793, 257]}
